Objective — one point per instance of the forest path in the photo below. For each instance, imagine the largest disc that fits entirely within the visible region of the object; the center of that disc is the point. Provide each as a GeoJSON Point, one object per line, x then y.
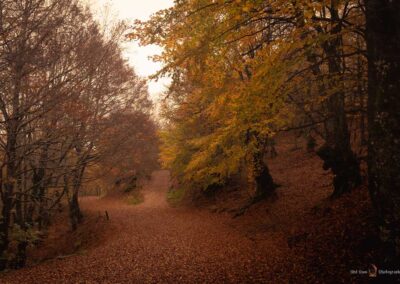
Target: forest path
{"type": "Point", "coordinates": [154, 243]}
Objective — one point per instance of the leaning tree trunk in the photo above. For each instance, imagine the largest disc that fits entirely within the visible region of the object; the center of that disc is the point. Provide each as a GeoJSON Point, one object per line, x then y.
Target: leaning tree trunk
{"type": "Point", "coordinates": [383, 44]}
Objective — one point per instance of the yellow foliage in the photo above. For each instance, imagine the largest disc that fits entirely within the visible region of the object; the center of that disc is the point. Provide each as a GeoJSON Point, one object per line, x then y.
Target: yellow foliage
{"type": "Point", "coordinates": [232, 77]}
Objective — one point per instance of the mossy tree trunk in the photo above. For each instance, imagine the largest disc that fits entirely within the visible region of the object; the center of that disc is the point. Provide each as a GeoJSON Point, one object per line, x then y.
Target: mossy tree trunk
{"type": "Point", "coordinates": [258, 173]}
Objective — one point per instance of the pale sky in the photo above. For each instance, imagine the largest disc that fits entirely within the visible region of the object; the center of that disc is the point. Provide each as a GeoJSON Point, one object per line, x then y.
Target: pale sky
{"type": "Point", "coordinates": [137, 56]}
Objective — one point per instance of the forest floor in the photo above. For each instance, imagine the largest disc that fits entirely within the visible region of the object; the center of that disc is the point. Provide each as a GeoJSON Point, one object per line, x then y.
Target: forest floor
{"type": "Point", "coordinates": [297, 237]}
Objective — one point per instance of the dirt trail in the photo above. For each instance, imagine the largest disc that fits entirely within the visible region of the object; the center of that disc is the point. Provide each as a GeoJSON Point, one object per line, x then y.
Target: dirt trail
{"type": "Point", "coordinates": [153, 243]}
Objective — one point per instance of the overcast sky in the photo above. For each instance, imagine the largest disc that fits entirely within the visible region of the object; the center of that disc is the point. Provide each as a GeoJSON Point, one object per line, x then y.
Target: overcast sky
{"type": "Point", "coordinates": [137, 56]}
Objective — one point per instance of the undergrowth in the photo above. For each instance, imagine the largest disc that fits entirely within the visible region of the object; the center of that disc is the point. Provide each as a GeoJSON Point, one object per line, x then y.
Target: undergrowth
{"type": "Point", "coordinates": [135, 198]}
{"type": "Point", "coordinates": [175, 196]}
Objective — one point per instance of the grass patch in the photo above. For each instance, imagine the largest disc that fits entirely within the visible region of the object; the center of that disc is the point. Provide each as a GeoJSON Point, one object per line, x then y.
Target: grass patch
{"type": "Point", "coordinates": [175, 196]}
{"type": "Point", "coordinates": [135, 198]}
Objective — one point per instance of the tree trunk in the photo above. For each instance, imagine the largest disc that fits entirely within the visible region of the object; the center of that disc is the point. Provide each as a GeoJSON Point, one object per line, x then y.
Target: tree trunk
{"type": "Point", "coordinates": [75, 212]}
{"type": "Point", "coordinates": [260, 176]}
{"type": "Point", "coordinates": [263, 180]}
{"type": "Point", "coordinates": [8, 195]}
{"type": "Point", "coordinates": [20, 257]}
{"type": "Point", "coordinates": [338, 156]}
{"type": "Point", "coordinates": [383, 44]}
{"type": "Point", "coordinates": [336, 153]}
{"type": "Point", "coordinates": [5, 225]}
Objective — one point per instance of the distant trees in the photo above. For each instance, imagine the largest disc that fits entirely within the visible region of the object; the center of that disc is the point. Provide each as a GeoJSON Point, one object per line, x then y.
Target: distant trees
{"type": "Point", "coordinates": [129, 148]}
{"type": "Point", "coordinates": [62, 83]}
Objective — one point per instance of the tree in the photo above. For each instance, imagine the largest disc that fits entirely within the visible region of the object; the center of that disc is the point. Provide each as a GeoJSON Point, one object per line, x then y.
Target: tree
{"type": "Point", "coordinates": [61, 82]}
{"type": "Point", "coordinates": [256, 67]}
{"type": "Point", "coordinates": [26, 52]}
{"type": "Point", "coordinates": [383, 40]}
